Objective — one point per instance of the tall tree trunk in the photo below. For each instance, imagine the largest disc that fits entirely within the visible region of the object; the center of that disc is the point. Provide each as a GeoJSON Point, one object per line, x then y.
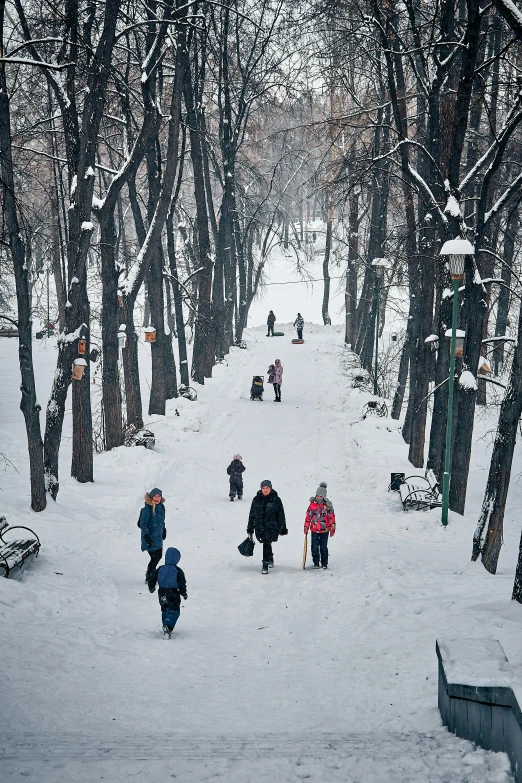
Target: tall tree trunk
{"type": "Point", "coordinates": [111, 390]}
{"type": "Point", "coordinates": [178, 303]}
{"type": "Point", "coordinates": [350, 295]}
{"type": "Point", "coordinates": [29, 403]}
{"type": "Point", "coordinates": [495, 497]}
{"type": "Point", "coordinates": [205, 332]}
{"type": "Point", "coordinates": [326, 261]}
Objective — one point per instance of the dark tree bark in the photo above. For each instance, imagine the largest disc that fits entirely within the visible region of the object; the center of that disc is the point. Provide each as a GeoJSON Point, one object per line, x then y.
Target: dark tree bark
{"type": "Point", "coordinates": [326, 261]}
{"type": "Point", "coordinates": [495, 497]}
{"type": "Point", "coordinates": [504, 292]}
{"type": "Point", "coordinates": [350, 295]}
{"type": "Point", "coordinates": [178, 303]}
{"type": "Point", "coordinates": [205, 332]}
{"type": "Point", "coordinates": [29, 403]}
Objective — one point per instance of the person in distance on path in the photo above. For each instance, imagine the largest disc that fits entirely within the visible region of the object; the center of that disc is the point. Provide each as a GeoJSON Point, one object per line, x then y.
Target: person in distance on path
{"type": "Point", "coordinates": [172, 585]}
{"type": "Point", "coordinates": [235, 470]}
{"type": "Point", "coordinates": [299, 325]}
{"type": "Point", "coordinates": [267, 521]}
{"type": "Point", "coordinates": [153, 530]}
{"type": "Point", "coordinates": [278, 378]}
{"type": "Point", "coordinates": [270, 321]}
{"type": "Point", "coordinates": [320, 519]}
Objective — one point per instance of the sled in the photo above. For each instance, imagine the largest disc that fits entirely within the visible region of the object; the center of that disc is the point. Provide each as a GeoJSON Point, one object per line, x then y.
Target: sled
{"type": "Point", "coordinates": [305, 550]}
{"type": "Point", "coordinates": [278, 334]}
{"type": "Point", "coordinates": [295, 341]}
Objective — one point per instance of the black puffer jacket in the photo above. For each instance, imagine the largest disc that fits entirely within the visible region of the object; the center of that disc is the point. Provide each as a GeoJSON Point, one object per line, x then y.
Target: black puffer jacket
{"type": "Point", "coordinates": [267, 517]}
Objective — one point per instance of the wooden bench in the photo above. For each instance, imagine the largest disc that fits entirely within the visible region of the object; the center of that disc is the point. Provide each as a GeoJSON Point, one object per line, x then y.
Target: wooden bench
{"type": "Point", "coordinates": [8, 332]}
{"type": "Point", "coordinates": [14, 552]}
{"type": "Point", "coordinates": [420, 492]}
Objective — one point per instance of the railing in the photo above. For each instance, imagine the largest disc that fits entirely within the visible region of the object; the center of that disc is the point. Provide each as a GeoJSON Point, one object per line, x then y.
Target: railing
{"type": "Point", "coordinates": [478, 699]}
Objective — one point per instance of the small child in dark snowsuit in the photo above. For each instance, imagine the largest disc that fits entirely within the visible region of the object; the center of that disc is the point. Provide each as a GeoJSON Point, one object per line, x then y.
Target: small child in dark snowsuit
{"type": "Point", "coordinates": [172, 585]}
{"type": "Point", "coordinates": [235, 471]}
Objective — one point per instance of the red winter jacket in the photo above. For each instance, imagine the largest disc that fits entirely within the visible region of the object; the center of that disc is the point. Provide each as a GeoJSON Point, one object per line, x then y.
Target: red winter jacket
{"type": "Point", "coordinates": [320, 517]}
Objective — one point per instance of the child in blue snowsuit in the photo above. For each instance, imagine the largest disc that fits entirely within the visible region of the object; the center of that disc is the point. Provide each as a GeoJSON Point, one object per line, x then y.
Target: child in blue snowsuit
{"type": "Point", "coordinates": [235, 470]}
{"type": "Point", "coordinates": [172, 585]}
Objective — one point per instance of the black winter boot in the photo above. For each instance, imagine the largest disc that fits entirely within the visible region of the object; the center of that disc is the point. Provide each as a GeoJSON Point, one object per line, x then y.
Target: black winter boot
{"type": "Point", "coordinates": [264, 570]}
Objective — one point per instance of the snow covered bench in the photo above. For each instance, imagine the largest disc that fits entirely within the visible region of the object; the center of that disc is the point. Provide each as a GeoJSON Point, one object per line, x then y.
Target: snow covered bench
{"type": "Point", "coordinates": [14, 552]}
{"type": "Point", "coordinates": [420, 492]}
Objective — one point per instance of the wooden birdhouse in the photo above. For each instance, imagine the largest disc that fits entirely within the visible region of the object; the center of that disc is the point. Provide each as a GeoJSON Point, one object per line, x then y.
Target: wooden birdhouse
{"type": "Point", "coordinates": [150, 334]}
{"type": "Point", "coordinates": [79, 366]}
{"type": "Point", "coordinates": [82, 346]}
{"type": "Point", "coordinates": [484, 367]}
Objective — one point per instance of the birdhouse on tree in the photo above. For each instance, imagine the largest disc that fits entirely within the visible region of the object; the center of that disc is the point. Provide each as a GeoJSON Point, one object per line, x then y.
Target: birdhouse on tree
{"type": "Point", "coordinates": [82, 346]}
{"type": "Point", "coordinates": [394, 337]}
{"type": "Point", "coordinates": [484, 367]}
{"type": "Point", "coordinates": [79, 366]}
{"type": "Point", "coordinates": [150, 334]}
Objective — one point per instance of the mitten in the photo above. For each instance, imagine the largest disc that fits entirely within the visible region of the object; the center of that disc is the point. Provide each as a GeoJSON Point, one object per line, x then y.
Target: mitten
{"type": "Point", "coordinates": [164, 534]}
{"type": "Point", "coordinates": [148, 541]}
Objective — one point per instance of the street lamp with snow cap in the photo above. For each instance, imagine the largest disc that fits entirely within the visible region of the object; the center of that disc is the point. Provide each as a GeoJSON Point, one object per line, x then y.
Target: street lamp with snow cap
{"type": "Point", "coordinates": [456, 250]}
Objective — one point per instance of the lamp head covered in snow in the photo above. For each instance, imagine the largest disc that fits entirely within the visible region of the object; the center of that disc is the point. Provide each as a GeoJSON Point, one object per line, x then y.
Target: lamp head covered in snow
{"type": "Point", "coordinates": [380, 265]}
{"type": "Point", "coordinates": [457, 250]}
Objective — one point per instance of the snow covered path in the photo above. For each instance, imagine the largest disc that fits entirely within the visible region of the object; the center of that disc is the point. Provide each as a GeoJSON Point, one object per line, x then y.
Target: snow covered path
{"type": "Point", "coordinates": [339, 666]}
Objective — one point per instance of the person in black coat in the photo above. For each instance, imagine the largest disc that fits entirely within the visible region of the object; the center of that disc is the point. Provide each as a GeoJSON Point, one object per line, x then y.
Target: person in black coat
{"type": "Point", "coordinates": [267, 521]}
{"type": "Point", "coordinates": [270, 321]}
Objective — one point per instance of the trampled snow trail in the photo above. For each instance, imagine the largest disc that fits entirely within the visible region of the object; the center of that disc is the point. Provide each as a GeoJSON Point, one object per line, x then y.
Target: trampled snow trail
{"type": "Point", "coordinates": [326, 675]}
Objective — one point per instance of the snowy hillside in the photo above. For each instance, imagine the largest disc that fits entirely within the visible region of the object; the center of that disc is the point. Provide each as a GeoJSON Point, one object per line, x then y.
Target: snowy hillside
{"type": "Point", "coordinates": [320, 675]}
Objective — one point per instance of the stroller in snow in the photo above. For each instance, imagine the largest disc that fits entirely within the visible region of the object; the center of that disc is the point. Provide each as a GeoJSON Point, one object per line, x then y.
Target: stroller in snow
{"type": "Point", "coordinates": [256, 390]}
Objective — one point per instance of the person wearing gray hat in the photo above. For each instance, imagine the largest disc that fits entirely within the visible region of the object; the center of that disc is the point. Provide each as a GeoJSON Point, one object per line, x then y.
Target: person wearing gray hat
{"type": "Point", "coordinates": [267, 521]}
{"type": "Point", "coordinates": [320, 520]}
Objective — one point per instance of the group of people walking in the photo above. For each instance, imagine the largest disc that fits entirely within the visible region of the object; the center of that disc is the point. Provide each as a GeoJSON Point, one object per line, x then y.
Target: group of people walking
{"type": "Point", "coordinates": [266, 521]}
{"type": "Point", "coordinates": [298, 324]}
{"type": "Point", "coordinates": [170, 578]}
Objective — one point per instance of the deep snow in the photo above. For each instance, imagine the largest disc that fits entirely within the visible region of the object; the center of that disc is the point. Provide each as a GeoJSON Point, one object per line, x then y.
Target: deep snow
{"type": "Point", "coordinates": [318, 675]}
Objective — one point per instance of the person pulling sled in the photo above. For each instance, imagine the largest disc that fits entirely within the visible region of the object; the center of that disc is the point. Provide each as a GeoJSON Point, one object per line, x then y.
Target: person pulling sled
{"type": "Point", "coordinates": [172, 585]}
{"type": "Point", "coordinates": [320, 520]}
{"type": "Point", "coordinates": [299, 325]}
{"type": "Point", "coordinates": [235, 470]}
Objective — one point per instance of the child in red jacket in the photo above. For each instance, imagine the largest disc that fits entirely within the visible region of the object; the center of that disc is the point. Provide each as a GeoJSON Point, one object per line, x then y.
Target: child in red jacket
{"type": "Point", "coordinates": [320, 520]}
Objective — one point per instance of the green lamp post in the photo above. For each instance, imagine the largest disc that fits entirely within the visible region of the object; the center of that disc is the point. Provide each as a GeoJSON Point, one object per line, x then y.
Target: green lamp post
{"type": "Point", "coordinates": [379, 265]}
{"type": "Point", "coordinates": [456, 250]}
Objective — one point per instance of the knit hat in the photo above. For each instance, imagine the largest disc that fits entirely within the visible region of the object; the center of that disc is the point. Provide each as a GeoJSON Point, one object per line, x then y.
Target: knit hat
{"type": "Point", "coordinates": [238, 456]}
{"type": "Point", "coordinates": [321, 490]}
{"type": "Point", "coordinates": [266, 483]}
{"type": "Point", "coordinates": [155, 491]}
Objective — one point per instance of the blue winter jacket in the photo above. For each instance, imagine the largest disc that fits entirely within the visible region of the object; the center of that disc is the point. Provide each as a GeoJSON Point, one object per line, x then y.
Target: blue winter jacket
{"type": "Point", "coordinates": [152, 524]}
{"type": "Point", "coordinates": [168, 573]}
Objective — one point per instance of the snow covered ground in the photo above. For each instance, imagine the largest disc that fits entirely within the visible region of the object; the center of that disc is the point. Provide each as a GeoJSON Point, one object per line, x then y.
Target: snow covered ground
{"type": "Point", "coordinates": [317, 675]}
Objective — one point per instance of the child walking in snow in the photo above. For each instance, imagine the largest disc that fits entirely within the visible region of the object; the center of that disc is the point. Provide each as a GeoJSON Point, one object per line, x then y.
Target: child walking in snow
{"type": "Point", "coordinates": [320, 519]}
{"type": "Point", "coordinates": [172, 585]}
{"type": "Point", "coordinates": [235, 471]}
